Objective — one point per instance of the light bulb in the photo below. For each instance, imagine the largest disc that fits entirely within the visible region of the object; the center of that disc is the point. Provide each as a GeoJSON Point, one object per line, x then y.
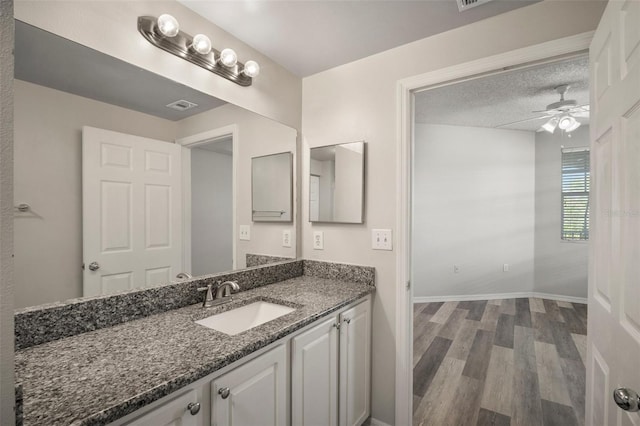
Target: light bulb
{"type": "Point", "coordinates": [574, 126]}
{"type": "Point", "coordinates": [201, 44]}
{"type": "Point", "coordinates": [228, 57]}
{"type": "Point", "coordinates": [566, 122]}
{"type": "Point", "coordinates": [251, 69]}
{"type": "Point", "coordinates": [168, 25]}
{"type": "Point", "coordinates": [550, 126]}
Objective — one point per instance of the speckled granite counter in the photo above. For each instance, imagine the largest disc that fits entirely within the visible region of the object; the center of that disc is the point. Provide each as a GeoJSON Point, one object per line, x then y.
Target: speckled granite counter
{"type": "Point", "coordinates": [97, 377]}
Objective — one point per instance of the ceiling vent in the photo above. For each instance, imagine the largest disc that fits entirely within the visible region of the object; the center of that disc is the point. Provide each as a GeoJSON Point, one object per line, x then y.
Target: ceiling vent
{"type": "Point", "coordinates": [181, 105]}
{"type": "Point", "coordinates": [468, 4]}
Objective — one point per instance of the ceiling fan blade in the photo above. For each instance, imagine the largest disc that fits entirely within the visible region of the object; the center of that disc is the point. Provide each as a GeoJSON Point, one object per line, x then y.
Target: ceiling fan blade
{"type": "Point", "coordinates": [580, 114]}
{"type": "Point", "coordinates": [524, 121]}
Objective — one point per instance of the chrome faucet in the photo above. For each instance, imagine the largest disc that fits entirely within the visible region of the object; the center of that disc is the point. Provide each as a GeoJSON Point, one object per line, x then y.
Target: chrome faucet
{"type": "Point", "coordinates": [222, 293]}
{"type": "Point", "coordinates": [225, 289]}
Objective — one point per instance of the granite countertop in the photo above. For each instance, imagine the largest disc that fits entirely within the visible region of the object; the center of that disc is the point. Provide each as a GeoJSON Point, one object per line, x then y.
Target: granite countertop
{"type": "Point", "coordinates": [97, 377]}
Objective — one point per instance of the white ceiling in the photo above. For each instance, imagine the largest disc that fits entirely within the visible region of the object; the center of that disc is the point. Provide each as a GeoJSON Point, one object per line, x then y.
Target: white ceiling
{"type": "Point", "coordinates": [306, 36]}
{"type": "Point", "coordinates": [503, 98]}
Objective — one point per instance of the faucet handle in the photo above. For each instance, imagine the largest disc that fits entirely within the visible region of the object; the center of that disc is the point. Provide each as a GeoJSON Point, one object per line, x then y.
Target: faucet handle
{"type": "Point", "coordinates": [208, 298]}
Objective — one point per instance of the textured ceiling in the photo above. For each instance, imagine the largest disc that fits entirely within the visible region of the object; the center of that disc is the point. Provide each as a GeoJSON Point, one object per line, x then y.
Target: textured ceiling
{"type": "Point", "coordinates": [48, 60]}
{"type": "Point", "coordinates": [309, 36]}
{"type": "Point", "coordinates": [503, 98]}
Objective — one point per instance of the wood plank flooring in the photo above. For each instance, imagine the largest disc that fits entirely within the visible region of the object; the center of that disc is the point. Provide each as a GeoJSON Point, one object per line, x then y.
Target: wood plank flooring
{"type": "Point", "coordinates": [517, 362]}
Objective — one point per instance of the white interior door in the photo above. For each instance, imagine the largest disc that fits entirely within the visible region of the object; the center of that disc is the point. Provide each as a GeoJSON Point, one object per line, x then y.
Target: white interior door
{"type": "Point", "coordinates": [614, 263]}
{"type": "Point", "coordinates": [132, 212]}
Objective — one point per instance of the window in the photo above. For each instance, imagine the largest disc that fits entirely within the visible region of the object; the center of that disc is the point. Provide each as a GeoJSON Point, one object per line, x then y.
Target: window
{"type": "Point", "coordinates": [575, 194]}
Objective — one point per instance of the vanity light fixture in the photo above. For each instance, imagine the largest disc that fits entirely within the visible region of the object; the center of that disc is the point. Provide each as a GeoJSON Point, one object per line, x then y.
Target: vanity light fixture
{"type": "Point", "coordinates": [164, 33]}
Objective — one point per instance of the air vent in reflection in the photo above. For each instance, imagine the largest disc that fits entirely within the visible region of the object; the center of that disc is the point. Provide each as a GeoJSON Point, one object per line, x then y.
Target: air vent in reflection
{"type": "Point", "coordinates": [181, 105]}
{"type": "Point", "coordinates": [468, 4]}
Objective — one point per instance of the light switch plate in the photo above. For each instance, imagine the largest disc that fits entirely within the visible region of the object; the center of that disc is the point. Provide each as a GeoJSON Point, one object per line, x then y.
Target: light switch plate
{"type": "Point", "coordinates": [318, 240]}
{"type": "Point", "coordinates": [381, 239]}
{"type": "Point", "coordinates": [245, 233]}
{"type": "Point", "coordinates": [286, 238]}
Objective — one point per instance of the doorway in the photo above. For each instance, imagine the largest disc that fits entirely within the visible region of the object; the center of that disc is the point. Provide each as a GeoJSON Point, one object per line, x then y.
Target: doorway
{"type": "Point", "coordinates": [536, 55]}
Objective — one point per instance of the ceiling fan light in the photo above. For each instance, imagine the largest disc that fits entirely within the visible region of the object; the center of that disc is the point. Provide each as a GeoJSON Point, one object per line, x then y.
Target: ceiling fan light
{"type": "Point", "coordinates": [550, 126]}
{"type": "Point", "coordinates": [574, 126]}
{"type": "Point", "coordinates": [566, 122]}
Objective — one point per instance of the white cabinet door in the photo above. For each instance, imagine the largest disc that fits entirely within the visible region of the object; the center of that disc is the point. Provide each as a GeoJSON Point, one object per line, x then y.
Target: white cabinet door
{"type": "Point", "coordinates": [254, 394]}
{"type": "Point", "coordinates": [355, 365]}
{"type": "Point", "coordinates": [314, 376]}
{"type": "Point", "coordinates": [174, 413]}
{"type": "Point", "coordinates": [131, 211]}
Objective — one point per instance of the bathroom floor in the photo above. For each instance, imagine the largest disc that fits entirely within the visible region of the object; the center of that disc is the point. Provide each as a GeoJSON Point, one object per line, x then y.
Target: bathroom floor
{"type": "Point", "coordinates": [515, 362]}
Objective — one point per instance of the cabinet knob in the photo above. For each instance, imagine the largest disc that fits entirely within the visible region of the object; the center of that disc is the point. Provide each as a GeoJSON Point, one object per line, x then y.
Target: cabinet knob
{"type": "Point", "coordinates": [347, 320]}
{"type": "Point", "coordinates": [194, 408]}
{"type": "Point", "coordinates": [224, 392]}
{"type": "Point", "coordinates": [626, 399]}
{"type": "Point", "coordinates": [337, 326]}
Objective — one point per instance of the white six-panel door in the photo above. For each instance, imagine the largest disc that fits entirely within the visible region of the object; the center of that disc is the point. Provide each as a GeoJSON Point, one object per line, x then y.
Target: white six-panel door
{"type": "Point", "coordinates": [132, 213]}
{"type": "Point", "coordinates": [614, 264]}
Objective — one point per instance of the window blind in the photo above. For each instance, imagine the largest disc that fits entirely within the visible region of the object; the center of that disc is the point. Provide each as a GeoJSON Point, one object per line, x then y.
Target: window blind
{"type": "Point", "coordinates": [575, 194]}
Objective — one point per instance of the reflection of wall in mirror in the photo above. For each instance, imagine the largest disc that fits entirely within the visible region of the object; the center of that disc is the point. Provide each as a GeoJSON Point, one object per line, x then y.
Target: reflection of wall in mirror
{"type": "Point", "coordinates": [348, 191]}
{"type": "Point", "coordinates": [271, 187]}
{"type": "Point", "coordinates": [257, 136]}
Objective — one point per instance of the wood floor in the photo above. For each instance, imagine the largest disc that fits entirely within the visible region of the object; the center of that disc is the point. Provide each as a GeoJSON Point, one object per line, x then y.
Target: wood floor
{"type": "Point", "coordinates": [518, 362]}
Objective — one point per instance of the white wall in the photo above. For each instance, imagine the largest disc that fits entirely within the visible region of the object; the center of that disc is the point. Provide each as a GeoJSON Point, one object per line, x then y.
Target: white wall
{"type": "Point", "coordinates": [348, 190]}
{"type": "Point", "coordinates": [110, 27]}
{"type": "Point", "coordinates": [357, 101]}
{"type": "Point", "coordinates": [7, 415]}
{"type": "Point", "coordinates": [48, 176]}
{"type": "Point", "coordinates": [211, 212]}
{"type": "Point", "coordinates": [257, 136]}
{"type": "Point", "coordinates": [473, 206]}
{"type": "Point", "coordinates": [560, 266]}
{"type": "Point", "coordinates": [271, 187]}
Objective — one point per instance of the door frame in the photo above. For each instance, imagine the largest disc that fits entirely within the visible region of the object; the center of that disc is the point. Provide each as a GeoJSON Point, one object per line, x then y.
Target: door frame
{"type": "Point", "coordinates": [193, 141]}
{"type": "Point", "coordinates": [405, 89]}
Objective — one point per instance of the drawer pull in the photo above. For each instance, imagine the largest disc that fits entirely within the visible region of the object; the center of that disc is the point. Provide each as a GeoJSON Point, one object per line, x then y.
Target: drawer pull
{"type": "Point", "coordinates": [194, 408]}
{"type": "Point", "coordinates": [224, 392]}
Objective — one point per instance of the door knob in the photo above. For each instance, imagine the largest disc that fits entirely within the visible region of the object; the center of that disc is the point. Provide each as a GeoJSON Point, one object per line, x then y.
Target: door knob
{"type": "Point", "coordinates": [94, 266]}
{"type": "Point", "coordinates": [626, 399]}
{"type": "Point", "coordinates": [224, 393]}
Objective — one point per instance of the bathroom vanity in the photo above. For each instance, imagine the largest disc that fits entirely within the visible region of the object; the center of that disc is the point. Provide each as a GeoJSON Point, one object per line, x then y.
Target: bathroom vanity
{"type": "Point", "coordinates": [309, 366]}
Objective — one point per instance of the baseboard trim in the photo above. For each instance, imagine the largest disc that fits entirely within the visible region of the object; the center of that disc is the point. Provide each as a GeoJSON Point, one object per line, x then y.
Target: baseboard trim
{"type": "Point", "coordinates": [466, 297]}
{"type": "Point", "coordinates": [376, 422]}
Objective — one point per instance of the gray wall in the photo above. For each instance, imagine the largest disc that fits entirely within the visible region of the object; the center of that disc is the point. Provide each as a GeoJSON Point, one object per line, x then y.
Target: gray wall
{"type": "Point", "coordinates": [560, 266]}
{"type": "Point", "coordinates": [211, 212]}
{"type": "Point", "coordinates": [473, 206]}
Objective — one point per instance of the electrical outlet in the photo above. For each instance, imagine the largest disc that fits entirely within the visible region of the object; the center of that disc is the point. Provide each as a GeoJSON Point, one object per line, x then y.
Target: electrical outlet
{"type": "Point", "coordinates": [456, 269]}
{"type": "Point", "coordinates": [286, 238]}
{"type": "Point", "coordinates": [245, 233]}
{"type": "Point", "coordinates": [505, 267]}
{"type": "Point", "coordinates": [381, 239]}
{"type": "Point", "coordinates": [318, 240]}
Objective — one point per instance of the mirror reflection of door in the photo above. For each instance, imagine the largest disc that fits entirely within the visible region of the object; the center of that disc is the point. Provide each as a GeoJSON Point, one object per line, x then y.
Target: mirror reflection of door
{"type": "Point", "coordinates": [132, 212]}
{"type": "Point", "coordinates": [314, 198]}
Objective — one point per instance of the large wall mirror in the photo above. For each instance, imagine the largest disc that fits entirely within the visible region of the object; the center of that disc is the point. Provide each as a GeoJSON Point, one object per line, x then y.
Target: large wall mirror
{"type": "Point", "coordinates": [272, 187]}
{"type": "Point", "coordinates": [336, 183]}
{"type": "Point", "coordinates": [124, 179]}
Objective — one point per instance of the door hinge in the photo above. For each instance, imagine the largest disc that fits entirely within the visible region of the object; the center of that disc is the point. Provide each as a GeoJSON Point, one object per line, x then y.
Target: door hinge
{"type": "Point", "coordinates": [408, 284]}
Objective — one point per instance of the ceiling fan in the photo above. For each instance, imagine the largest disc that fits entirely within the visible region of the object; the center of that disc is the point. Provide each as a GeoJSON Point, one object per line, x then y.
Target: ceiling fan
{"type": "Point", "coordinates": [559, 115]}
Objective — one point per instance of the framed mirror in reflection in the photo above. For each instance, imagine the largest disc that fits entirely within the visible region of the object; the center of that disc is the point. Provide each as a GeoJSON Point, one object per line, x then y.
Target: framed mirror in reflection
{"type": "Point", "coordinates": [130, 178]}
{"type": "Point", "coordinates": [336, 183]}
{"type": "Point", "coordinates": [272, 187]}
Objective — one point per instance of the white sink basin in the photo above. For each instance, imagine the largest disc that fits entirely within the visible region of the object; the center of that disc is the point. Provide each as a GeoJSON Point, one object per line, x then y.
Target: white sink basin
{"type": "Point", "coordinates": [245, 317]}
